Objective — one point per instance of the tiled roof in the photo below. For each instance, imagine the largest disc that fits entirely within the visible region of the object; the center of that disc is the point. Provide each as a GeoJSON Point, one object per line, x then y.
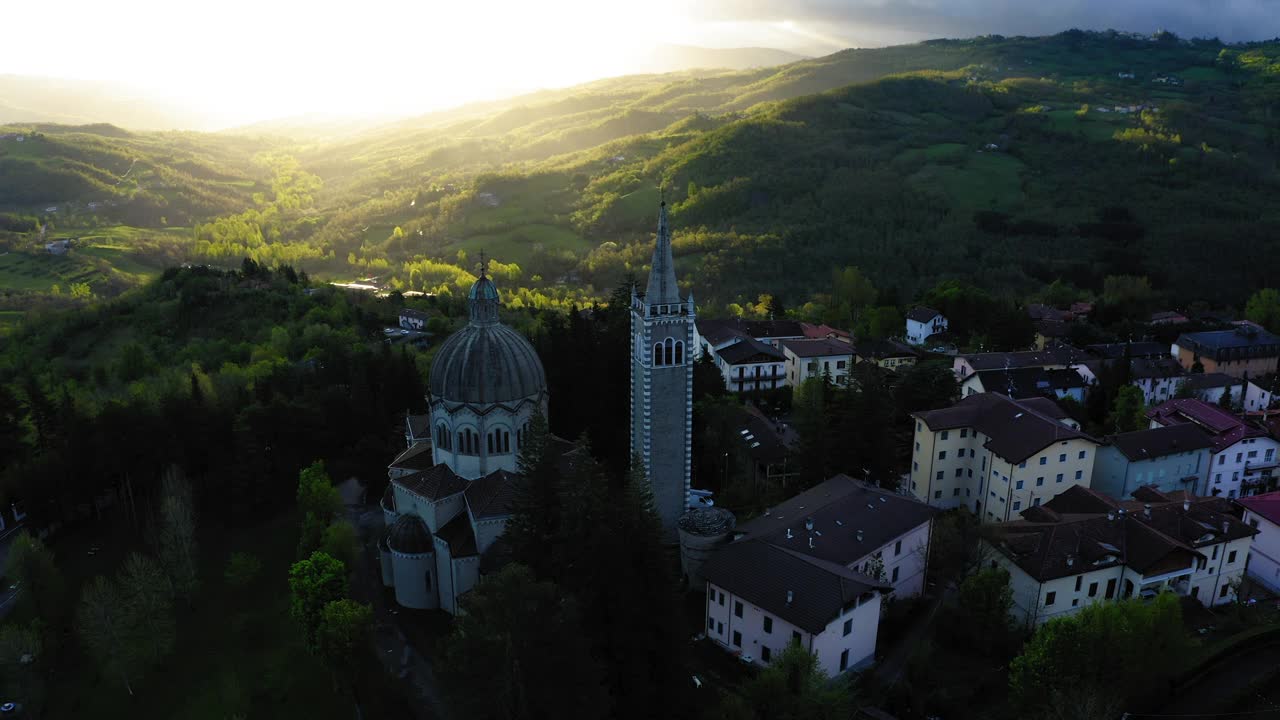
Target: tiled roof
{"type": "Point", "coordinates": [823, 331]}
{"type": "Point", "coordinates": [417, 457]}
{"type": "Point", "coordinates": [1015, 429]}
{"type": "Point", "coordinates": [1115, 351]}
{"type": "Point", "coordinates": [1266, 505]}
{"type": "Point", "coordinates": [492, 495]}
{"type": "Point", "coordinates": [763, 574]}
{"type": "Point", "coordinates": [1052, 354]}
{"type": "Point", "coordinates": [1154, 368]}
{"type": "Point", "coordinates": [433, 483]}
{"type": "Point", "coordinates": [1159, 442]}
{"type": "Point", "coordinates": [418, 425]}
{"type": "Point", "coordinates": [415, 314]}
{"type": "Point", "coordinates": [761, 437]}
{"type": "Point", "coordinates": [750, 350]}
{"type": "Point", "coordinates": [922, 314]}
{"type": "Point", "coordinates": [1207, 381]}
{"type": "Point", "coordinates": [1238, 344]}
{"type": "Point", "coordinates": [1030, 381]}
{"type": "Point", "coordinates": [458, 536]}
{"type": "Point", "coordinates": [880, 349]}
{"type": "Point", "coordinates": [720, 330]}
{"type": "Point", "coordinates": [818, 348]}
{"type": "Point", "coordinates": [1224, 428]}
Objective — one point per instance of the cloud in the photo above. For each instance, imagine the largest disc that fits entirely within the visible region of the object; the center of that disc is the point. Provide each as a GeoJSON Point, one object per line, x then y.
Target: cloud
{"type": "Point", "coordinates": [854, 21]}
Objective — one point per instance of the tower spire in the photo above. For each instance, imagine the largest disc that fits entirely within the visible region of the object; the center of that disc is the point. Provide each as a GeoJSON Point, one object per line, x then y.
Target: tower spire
{"type": "Point", "coordinates": [662, 271]}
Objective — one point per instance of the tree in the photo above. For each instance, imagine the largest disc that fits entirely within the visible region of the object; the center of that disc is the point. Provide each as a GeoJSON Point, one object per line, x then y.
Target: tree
{"type": "Point", "coordinates": [519, 652]}
{"type": "Point", "coordinates": [242, 569]}
{"type": "Point", "coordinates": [176, 539]}
{"type": "Point", "coordinates": [30, 564]}
{"type": "Point", "coordinates": [983, 605]}
{"type": "Point", "coordinates": [341, 541]}
{"type": "Point", "coordinates": [102, 621]}
{"type": "Point", "coordinates": [1129, 411]}
{"type": "Point", "coordinates": [878, 323]}
{"type": "Point", "coordinates": [318, 504]}
{"type": "Point", "coordinates": [314, 583]}
{"type": "Point", "coordinates": [1264, 308]}
{"type": "Point", "coordinates": [534, 526]}
{"type": "Point", "coordinates": [344, 627]}
{"type": "Point", "coordinates": [127, 625]}
{"type": "Point", "coordinates": [1106, 652]}
{"type": "Point", "coordinates": [926, 386]}
{"type": "Point", "coordinates": [24, 662]}
{"type": "Point", "coordinates": [792, 687]}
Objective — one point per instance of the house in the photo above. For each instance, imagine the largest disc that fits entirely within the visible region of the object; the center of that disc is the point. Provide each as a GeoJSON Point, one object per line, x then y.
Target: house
{"type": "Point", "coordinates": [1040, 311]}
{"type": "Point", "coordinates": [1244, 456]}
{"type": "Point", "coordinates": [996, 455]}
{"type": "Point", "coordinates": [1159, 379]}
{"type": "Point", "coordinates": [1050, 331]}
{"type": "Point", "coordinates": [1168, 317]}
{"type": "Point", "coordinates": [1169, 459]}
{"type": "Point", "coordinates": [1081, 309]}
{"type": "Point", "coordinates": [1054, 356]}
{"type": "Point", "coordinates": [751, 365]}
{"type": "Point", "coordinates": [1246, 395]}
{"type": "Point", "coordinates": [1110, 352]}
{"type": "Point", "coordinates": [58, 247]}
{"type": "Point", "coordinates": [1083, 547]}
{"type": "Point", "coordinates": [712, 335]}
{"type": "Point", "coordinates": [769, 444]}
{"type": "Point", "coordinates": [888, 354]}
{"type": "Point", "coordinates": [923, 322]}
{"type": "Point", "coordinates": [816, 358]}
{"type": "Point", "coordinates": [1027, 382]}
{"type": "Point", "coordinates": [812, 570]}
{"type": "Point", "coordinates": [1262, 513]}
{"type": "Point", "coordinates": [1244, 349]}
{"type": "Point", "coordinates": [817, 332]}
{"type": "Point", "coordinates": [417, 428]}
{"type": "Point", "coordinates": [411, 319]}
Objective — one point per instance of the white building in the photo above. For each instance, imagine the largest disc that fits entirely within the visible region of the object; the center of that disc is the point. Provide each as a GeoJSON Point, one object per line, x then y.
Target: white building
{"type": "Point", "coordinates": [812, 570]}
{"type": "Point", "coordinates": [411, 319]}
{"type": "Point", "coordinates": [1054, 356]}
{"type": "Point", "coordinates": [816, 358]}
{"type": "Point", "coordinates": [1244, 456]}
{"type": "Point", "coordinates": [1159, 379]}
{"type": "Point", "coordinates": [1083, 547]}
{"type": "Point", "coordinates": [997, 456]}
{"type": "Point", "coordinates": [751, 365]}
{"type": "Point", "coordinates": [1262, 513]}
{"type": "Point", "coordinates": [923, 322]}
{"type": "Point", "coordinates": [1248, 396]}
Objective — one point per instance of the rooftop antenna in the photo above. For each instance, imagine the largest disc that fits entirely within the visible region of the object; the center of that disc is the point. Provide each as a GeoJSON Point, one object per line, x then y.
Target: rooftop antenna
{"type": "Point", "coordinates": [1008, 378]}
{"type": "Point", "coordinates": [484, 264]}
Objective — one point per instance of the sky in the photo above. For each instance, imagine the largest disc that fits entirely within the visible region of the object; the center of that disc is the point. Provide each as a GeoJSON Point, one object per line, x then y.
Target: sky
{"type": "Point", "coordinates": [245, 60]}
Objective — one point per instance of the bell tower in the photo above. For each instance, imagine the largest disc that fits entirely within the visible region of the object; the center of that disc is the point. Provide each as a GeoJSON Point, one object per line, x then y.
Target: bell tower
{"type": "Point", "coordinates": [662, 337]}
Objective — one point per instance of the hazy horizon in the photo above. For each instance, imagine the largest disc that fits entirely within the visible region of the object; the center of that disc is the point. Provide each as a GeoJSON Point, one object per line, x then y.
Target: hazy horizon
{"type": "Point", "coordinates": [245, 62]}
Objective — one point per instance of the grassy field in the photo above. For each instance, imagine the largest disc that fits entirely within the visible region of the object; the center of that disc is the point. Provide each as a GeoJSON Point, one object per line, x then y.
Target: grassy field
{"type": "Point", "coordinates": [10, 319]}
{"type": "Point", "coordinates": [985, 181]}
{"type": "Point", "coordinates": [237, 654]}
{"type": "Point", "coordinates": [40, 272]}
{"type": "Point", "coordinates": [518, 242]}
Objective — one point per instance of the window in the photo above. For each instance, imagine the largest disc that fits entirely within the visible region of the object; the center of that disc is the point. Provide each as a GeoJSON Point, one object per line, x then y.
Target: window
{"type": "Point", "coordinates": [1049, 598]}
{"type": "Point", "coordinates": [959, 472]}
{"type": "Point", "coordinates": [1239, 457]}
{"type": "Point", "coordinates": [942, 454]}
{"type": "Point", "coordinates": [917, 447]}
{"type": "Point", "coordinates": [1018, 485]}
{"type": "Point", "coordinates": [1082, 454]}
{"type": "Point", "coordinates": [940, 474]}
{"type": "Point", "coordinates": [719, 628]}
{"type": "Point", "coordinates": [1044, 461]}
{"type": "Point", "coordinates": [1111, 588]}
{"type": "Point", "coordinates": [1231, 557]}
{"type": "Point", "coordinates": [1093, 589]}
{"type": "Point", "coordinates": [1225, 589]}
{"type": "Point", "coordinates": [737, 608]}
{"type": "Point", "coordinates": [1253, 453]}
{"type": "Point", "coordinates": [1222, 459]}
{"type": "Point", "coordinates": [737, 639]}
{"type": "Point", "coordinates": [1017, 504]}
{"type": "Point", "coordinates": [1022, 464]}
{"type": "Point", "coordinates": [844, 660]}
{"type": "Point", "coordinates": [1215, 553]}
{"type": "Point", "coordinates": [1036, 502]}
{"type": "Point", "coordinates": [711, 624]}
{"type": "Point", "coordinates": [721, 599]}
{"type": "Point", "coordinates": [765, 654]}
{"type": "Point", "coordinates": [840, 364]}
{"type": "Point", "coordinates": [442, 437]}
{"type": "Point", "coordinates": [658, 357]}
{"type": "Point", "coordinates": [1059, 479]}
{"type": "Point", "coordinates": [897, 548]}
{"type": "Point", "coordinates": [428, 579]}
{"type": "Point", "coordinates": [680, 354]}
{"type": "Point", "coordinates": [768, 624]}
{"type": "Point", "coordinates": [894, 576]}
{"type": "Point", "coordinates": [937, 494]}
{"type": "Point", "coordinates": [1217, 478]}
{"type": "Point", "coordinates": [1079, 474]}
{"type": "Point", "coordinates": [1268, 454]}
{"type": "Point", "coordinates": [915, 466]}
{"type": "Point", "coordinates": [848, 626]}
{"type": "Point", "coordinates": [1062, 457]}
{"type": "Point", "coordinates": [795, 636]}
{"type": "Point", "coordinates": [1079, 580]}
{"type": "Point", "coordinates": [964, 432]}
{"type": "Point", "coordinates": [1039, 481]}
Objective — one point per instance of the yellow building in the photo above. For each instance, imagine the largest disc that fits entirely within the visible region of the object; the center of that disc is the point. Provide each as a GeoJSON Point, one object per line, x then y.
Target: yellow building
{"type": "Point", "coordinates": [997, 456]}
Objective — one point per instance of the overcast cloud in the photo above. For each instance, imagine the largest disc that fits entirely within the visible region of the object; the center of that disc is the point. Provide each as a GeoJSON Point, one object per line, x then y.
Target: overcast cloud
{"type": "Point", "coordinates": [881, 22]}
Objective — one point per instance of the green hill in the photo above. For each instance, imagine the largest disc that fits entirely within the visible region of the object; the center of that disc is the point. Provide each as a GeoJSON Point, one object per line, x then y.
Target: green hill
{"type": "Point", "coordinates": [1006, 162]}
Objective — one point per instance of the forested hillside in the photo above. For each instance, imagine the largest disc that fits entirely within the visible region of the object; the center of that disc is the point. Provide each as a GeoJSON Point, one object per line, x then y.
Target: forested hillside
{"type": "Point", "coordinates": [1003, 162]}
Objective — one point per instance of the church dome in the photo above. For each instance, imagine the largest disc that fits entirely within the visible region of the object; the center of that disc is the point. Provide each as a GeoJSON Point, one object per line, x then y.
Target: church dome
{"type": "Point", "coordinates": [409, 535]}
{"type": "Point", "coordinates": [486, 362]}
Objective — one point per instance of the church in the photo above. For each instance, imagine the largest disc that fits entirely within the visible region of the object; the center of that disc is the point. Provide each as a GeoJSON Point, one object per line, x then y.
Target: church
{"type": "Point", "coordinates": [451, 491]}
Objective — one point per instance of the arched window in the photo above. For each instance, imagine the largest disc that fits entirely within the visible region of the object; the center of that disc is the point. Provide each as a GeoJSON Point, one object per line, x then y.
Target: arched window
{"type": "Point", "coordinates": [462, 441]}
{"type": "Point", "coordinates": [442, 436]}
{"type": "Point", "coordinates": [658, 360]}
{"type": "Point", "coordinates": [506, 441]}
{"type": "Point", "coordinates": [679, 360]}
{"type": "Point", "coordinates": [489, 442]}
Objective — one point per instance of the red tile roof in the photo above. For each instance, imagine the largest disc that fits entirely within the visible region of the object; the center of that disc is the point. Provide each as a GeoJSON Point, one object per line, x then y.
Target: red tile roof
{"type": "Point", "coordinates": [1266, 506]}
{"type": "Point", "coordinates": [1224, 428]}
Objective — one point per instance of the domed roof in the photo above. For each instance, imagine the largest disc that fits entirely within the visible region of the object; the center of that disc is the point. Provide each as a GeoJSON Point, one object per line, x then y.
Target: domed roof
{"type": "Point", "coordinates": [486, 361]}
{"type": "Point", "coordinates": [409, 535]}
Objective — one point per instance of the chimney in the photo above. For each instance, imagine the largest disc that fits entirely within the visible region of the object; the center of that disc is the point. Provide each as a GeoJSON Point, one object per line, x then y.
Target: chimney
{"type": "Point", "coordinates": [808, 524]}
{"type": "Point", "coordinates": [1111, 515]}
{"type": "Point", "coordinates": [1226, 526]}
{"type": "Point", "coordinates": [790, 596]}
{"type": "Point", "coordinates": [1186, 505]}
{"type": "Point", "coordinates": [789, 535]}
{"type": "Point", "coordinates": [1071, 560]}
{"type": "Point", "coordinates": [1146, 510]}
{"type": "Point", "coordinates": [859, 536]}
{"type": "Point", "coordinates": [810, 542]}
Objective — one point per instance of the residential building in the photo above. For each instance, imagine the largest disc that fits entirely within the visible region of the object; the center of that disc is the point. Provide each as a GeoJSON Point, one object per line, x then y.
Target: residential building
{"type": "Point", "coordinates": [1169, 317]}
{"type": "Point", "coordinates": [1027, 382]}
{"type": "Point", "coordinates": [997, 456]}
{"type": "Point", "coordinates": [769, 445]}
{"type": "Point", "coordinates": [411, 319]}
{"type": "Point", "coordinates": [1051, 331]}
{"type": "Point", "coordinates": [58, 247]}
{"type": "Point", "coordinates": [715, 334]}
{"type": "Point", "coordinates": [1131, 350]}
{"type": "Point", "coordinates": [923, 322]}
{"type": "Point", "coordinates": [817, 332]}
{"type": "Point", "coordinates": [1158, 378]}
{"type": "Point", "coordinates": [1247, 395]}
{"type": "Point", "coordinates": [1244, 455]}
{"type": "Point", "coordinates": [1084, 547]}
{"type": "Point", "coordinates": [1167, 458]}
{"type": "Point", "coordinates": [812, 570]}
{"type": "Point", "coordinates": [816, 358]}
{"type": "Point", "coordinates": [1244, 350]}
{"type": "Point", "coordinates": [1262, 513]}
{"type": "Point", "coordinates": [1055, 356]}
{"type": "Point", "coordinates": [751, 365]}
{"type": "Point", "coordinates": [888, 354]}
